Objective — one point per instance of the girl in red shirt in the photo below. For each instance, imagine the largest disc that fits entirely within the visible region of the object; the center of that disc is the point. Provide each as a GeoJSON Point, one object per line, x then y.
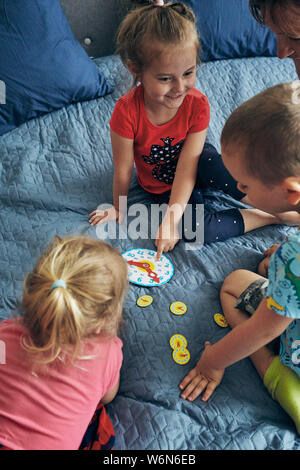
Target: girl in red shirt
{"type": "Point", "coordinates": [161, 126]}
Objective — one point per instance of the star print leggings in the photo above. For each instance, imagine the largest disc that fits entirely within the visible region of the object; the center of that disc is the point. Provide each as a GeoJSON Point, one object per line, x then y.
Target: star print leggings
{"type": "Point", "coordinates": [219, 225]}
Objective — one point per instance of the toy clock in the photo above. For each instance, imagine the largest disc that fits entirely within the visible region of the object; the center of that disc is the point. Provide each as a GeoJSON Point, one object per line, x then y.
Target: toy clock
{"type": "Point", "coordinates": [145, 270]}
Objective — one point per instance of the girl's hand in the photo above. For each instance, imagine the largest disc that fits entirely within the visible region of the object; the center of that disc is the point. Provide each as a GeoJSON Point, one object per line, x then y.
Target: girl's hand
{"type": "Point", "coordinates": [102, 216]}
{"type": "Point", "coordinates": [201, 378]}
{"type": "Point", "coordinates": [166, 238]}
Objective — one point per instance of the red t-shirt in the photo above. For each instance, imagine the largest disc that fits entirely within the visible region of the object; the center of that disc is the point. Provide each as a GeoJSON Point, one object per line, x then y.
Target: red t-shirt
{"type": "Point", "coordinates": [157, 148]}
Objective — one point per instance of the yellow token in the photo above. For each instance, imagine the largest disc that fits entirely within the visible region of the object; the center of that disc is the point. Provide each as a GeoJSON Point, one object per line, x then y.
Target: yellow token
{"type": "Point", "coordinates": [178, 341]}
{"type": "Point", "coordinates": [178, 308]}
{"type": "Point", "coordinates": [181, 356]}
{"type": "Point", "coordinates": [144, 301]}
{"type": "Point", "coordinates": [220, 320]}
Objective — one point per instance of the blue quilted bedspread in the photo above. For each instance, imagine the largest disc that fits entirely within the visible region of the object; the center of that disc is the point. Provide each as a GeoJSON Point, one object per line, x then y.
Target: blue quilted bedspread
{"type": "Point", "coordinates": [54, 171]}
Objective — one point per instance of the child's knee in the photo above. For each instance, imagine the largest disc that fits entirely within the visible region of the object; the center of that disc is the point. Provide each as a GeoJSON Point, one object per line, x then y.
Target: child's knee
{"type": "Point", "coordinates": [237, 282]}
{"type": "Point", "coordinates": [233, 279]}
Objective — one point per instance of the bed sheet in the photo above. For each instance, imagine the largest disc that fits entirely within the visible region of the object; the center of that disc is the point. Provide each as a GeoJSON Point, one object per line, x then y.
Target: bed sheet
{"type": "Point", "coordinates": [54, 170]}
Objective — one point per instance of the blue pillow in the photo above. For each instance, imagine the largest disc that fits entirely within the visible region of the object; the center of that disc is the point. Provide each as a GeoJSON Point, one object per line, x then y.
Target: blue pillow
{"type": "Point", "coordinates": [228, 30]}
{"type": "Point", "coordinates": [42, 66]}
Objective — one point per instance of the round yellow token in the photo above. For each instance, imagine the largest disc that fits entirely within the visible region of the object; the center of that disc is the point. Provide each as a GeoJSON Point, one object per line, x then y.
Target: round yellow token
{"type": "Point", "coordinates": [181, 356]}
{"type": "Point", "coordinates": [144, 301]}
{"type": "Point", "coordinates": [178, 308]}
{"type": "Point", "coordinates": [220, 320]}
{"type": "Point", "coordinates": [178, 341]}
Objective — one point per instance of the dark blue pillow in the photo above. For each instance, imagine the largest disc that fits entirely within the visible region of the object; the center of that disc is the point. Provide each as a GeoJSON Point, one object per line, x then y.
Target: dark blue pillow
{"type": "Point", "coordinates": [42, 66]}
{"type": "Point", "coordinates": [228, 30]}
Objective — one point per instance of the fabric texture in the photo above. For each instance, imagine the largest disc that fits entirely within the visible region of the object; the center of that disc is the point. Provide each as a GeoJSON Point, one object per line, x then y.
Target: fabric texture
{"type": "Point", "coordinates": [283, 296]}
{"type": "Point", "coordinates": [50, 407]}
{"type": "Point", "coordinates": [42, 68]}
{"type": "Point", "coordinates": [156, 148]}
{"type": "Point", "coordinates": [228, 30]}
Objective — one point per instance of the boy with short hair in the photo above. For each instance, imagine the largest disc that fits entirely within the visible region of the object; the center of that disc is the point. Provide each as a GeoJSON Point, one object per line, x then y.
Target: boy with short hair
{"type": "Point", "coordinates": [261, 149]}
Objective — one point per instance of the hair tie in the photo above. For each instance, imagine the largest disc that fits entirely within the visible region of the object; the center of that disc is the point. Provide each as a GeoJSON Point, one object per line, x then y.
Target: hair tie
{"type": "Point", "coordinates": [159, 3]}
{"type": "Point", "coordinates": [59, 283]}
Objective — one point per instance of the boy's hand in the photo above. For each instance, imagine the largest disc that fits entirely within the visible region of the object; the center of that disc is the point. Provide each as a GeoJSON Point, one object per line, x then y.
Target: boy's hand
{"type": "Point", "coordinates": [271, 250]}
{"type": "Point", "coordinates": [201, 378]}
{"type": "Point", "coordinates": [166, 238]}
{"type": "Point", "coordinates": [101, 216]}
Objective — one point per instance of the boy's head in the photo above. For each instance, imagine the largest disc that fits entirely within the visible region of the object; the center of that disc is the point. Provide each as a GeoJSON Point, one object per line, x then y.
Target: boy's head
{"type": "Point", "coordinates": [261, 148]}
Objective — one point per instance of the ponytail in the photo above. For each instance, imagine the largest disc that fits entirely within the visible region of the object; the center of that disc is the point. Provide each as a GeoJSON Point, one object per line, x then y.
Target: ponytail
{"type": "Point", "coordinates": [148, 24]}
{"type": "Point", "coordinates": [77, 287]}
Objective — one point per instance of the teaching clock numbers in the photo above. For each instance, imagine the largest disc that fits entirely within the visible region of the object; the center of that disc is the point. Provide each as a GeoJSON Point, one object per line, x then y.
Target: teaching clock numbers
{"type": "Point", "coordinates": [145, 270]}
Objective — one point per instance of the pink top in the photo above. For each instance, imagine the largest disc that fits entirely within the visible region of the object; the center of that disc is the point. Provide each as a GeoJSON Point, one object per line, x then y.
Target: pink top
{"type": "Point", "coordinates": [52, 410]}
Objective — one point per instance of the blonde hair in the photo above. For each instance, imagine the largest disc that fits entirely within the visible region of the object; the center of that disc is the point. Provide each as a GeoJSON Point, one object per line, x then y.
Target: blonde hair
{"type": "Point", "coordinates": [95, 277]}
{"type": "Point", "coordinates": [267, 130]}
{"type": "Point", "coordinates": [169, 24]}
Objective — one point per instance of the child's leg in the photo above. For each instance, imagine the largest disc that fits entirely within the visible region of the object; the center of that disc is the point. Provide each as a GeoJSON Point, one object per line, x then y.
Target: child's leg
{"type": "Point", "coordinates": [221, 225]}
{"type": "Point", "coordinates": [213, 174]}
{"type": "Point", "coordinates": [282, 383]}
{"type": "Point", "coordinates": [228, 223]}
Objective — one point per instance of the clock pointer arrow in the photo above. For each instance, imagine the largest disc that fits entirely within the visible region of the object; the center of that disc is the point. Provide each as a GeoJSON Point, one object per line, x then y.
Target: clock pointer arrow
{"type": "Point", "coordinates": [146, 266]}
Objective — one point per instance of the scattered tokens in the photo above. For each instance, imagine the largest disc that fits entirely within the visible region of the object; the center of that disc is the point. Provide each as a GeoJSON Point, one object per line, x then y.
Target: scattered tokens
{"type": "Point", "coordinates": [144, 301]}
{"type": "Point", "coordinates": [178, 308]}
{"type": "Point", "coordinates": [181, 356]}
{"type": "Point", "coordinates": [145, 270]}
{"type": "Point", "coordinates": [178, 341]}
{"type": "Point", "coordinates": [220, 320]}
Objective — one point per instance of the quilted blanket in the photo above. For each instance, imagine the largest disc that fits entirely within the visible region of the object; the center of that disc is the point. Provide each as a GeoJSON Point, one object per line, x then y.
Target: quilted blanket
{"type": "Point", "coordinates": [54, 171]}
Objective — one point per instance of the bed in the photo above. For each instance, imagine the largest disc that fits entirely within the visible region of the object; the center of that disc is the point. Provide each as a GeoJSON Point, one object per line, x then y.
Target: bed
{"type": "Point", "coordinates": [57, 167]}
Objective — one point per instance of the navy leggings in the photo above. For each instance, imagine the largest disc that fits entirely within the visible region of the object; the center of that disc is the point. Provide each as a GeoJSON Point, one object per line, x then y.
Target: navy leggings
{"type": "Point", "coordinates": [220, 225]}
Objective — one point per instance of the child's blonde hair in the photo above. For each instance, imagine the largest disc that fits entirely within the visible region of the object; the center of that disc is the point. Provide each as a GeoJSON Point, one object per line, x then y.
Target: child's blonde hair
{"type": "Point", "coordinates": [146, 26]}
{"type": "Point", "coordinates": [267, 130]}
{"type": "Point", "coordinates": [95, 278]}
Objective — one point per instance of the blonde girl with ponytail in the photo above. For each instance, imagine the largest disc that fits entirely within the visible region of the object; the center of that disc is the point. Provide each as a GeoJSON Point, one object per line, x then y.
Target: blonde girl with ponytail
{"type": "Point", "coordinates": [63, 356]}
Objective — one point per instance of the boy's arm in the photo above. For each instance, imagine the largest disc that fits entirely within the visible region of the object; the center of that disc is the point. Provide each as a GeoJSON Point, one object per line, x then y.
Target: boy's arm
{"type": "Point", "coordinates": [183, 185]}
{"type": "Point", "coordinates": [241, 342]}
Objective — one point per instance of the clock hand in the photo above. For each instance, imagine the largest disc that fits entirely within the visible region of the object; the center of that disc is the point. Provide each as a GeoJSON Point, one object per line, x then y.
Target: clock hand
{"type": "Point", "coordinates": [146, 267]}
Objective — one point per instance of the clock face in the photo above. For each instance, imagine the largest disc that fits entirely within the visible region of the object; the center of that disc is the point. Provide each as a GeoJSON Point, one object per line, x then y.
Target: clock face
{"type": "Point", "coordinates": [145, 270]}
